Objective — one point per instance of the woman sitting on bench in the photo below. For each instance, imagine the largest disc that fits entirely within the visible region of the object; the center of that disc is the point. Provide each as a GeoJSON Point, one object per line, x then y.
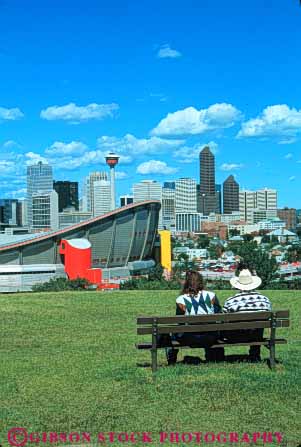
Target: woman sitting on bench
{"type": "Point", "coordinates": [195, 300]}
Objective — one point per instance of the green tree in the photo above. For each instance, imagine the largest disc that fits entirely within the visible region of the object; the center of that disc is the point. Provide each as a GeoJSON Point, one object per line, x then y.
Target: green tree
{"type": "Point", "coordinates": [203, 241]}
{"type": "Point", "coordinates": [265, 239]}
{"type": "Point", "coordinates": [156, 273]}
{"type": "Point", "coordinates": [258, 261]}
{"type": "Point", "coordinates": [213, 251]}
{"type": "Point", "coordinates": [248, 237]}
{"type": "Point", "coordinates": [294, 254]}
{"type": "Point", "coordinates": [234, 232]}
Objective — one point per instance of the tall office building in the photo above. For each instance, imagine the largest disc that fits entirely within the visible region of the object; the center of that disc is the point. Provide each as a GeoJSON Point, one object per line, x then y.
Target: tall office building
{"type": "Point", "coordinates": [45, 211]}
{"type": "Point", "coordinates": [126, 200]}
{"type": "Point", "coordinates": [247, 203]}
{"type": "Point", "coordinates": [188, 222]}
{"type": "Point", "coordinates": [88, 190]}
{"type": "Point", "coordinates": [186, 198]}
{"type": "Point", "coordinates": [289, 216]}
{"type": "Point", "coordinates": [101, 197]}
{"type": "Point", "coordinates": [258, 205]}
{"type": "Point", "coordinates": [266, 199]}
{"type": "Point", "coordinates": [24, 214]}
{"type": "Point", "coordinates": [67, 193]}
{"type": "Point", "coordinates": [39, 179]}
{"type": "Point", "coordinates": [169, 206]}
{"type": "Point", "coordinates": [218, 192]}
{"type": "Point", "coordinates": [148, 190]}
{"type": "Point", "coordinates": [230, 195]}
{"type": "Point", "coordinates": [10, 212]}
{"type": "Point", "coordinates": [208, 201]}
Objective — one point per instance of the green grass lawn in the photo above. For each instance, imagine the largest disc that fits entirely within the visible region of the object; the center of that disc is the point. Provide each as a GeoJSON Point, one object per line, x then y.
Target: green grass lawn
{"type": "Point", "coordinates": [69, 363]}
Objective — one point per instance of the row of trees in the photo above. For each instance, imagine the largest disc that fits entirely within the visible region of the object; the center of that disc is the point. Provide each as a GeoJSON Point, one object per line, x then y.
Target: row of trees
{"type": "Point", "coordinates": [257, 261]}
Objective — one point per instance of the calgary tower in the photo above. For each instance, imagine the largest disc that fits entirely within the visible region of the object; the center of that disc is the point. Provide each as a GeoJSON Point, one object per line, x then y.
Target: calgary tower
{"type": "Point", "coordinates": [112, 160]}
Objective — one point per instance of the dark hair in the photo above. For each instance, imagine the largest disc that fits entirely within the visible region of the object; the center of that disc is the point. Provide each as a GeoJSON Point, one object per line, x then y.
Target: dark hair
{"type": "Point", "coordinates": [194, 283]}
{"type": "Point", "coordinates": [242, 265]}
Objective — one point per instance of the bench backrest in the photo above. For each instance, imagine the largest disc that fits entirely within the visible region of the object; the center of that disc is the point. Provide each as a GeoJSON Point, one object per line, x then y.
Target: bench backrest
{"type": "Point", "coordinates": [215, 322]}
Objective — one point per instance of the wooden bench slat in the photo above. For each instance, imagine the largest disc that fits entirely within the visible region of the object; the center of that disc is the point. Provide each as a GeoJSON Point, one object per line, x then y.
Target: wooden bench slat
{"type": "Point", "coordinates": [283, 313]}
{"type": "Point", "coordinates": [238, 316]}
{"type": "Point", "coordinates": [265, 342]}
{"type": "Point", "coordinates": [206, 318]}
{"type": "Point", "coordinates": [211, 327]}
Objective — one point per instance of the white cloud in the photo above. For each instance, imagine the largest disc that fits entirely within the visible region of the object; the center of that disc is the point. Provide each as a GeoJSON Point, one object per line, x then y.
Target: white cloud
{"type": "Point", "coordinates": [89, 158]}
{"type": "Point", "coordinates": [277, 120]}
{"type": "Point", "coordinates": [10, 114]}
{"type": "Point", "coordinates": [129, 144]}
{"type": "Point", "coordinates": [60, 148]}
{"type": "Point", "coordinates": [191, 121]}
{"type": "Point", "coordinates": [231, 166]}
{"type": "Point", "coordinates": [6, 167]}
{"type": "Point", "coordinates": [292, 178]}
{"type": "Point", "coordinates": [34, 158]}
{"type": "Point", "coordinates": [189, 154]}
{"type": "Point", "coordinates": [120, 175]}
{"type": "Point", "coordinates": [9, 144]}
{"type": "Point", "coordinates": [17, 194]}
{"type": "Point", "coordinates": [159, 96]}
{"type": "Point", "coordinates": [155, 167]}
{"type": "Point", "coordinates": [166, 52]}
{"type": "Point", "coordinates": [76, 114]}
{"type": "Point", "coordinates": [288, 156]}
{"type": "Point", "coordinates": [288, 141]}
{"type": "Point", "coordinates": [76, 154]}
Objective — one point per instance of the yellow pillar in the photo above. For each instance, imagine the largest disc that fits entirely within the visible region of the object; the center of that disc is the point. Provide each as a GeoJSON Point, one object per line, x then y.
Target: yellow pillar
{"type": "Point", "coordinates": [165, 249]}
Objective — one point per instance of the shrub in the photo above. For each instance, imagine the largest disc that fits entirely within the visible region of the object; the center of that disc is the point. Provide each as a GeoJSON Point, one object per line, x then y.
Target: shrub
{"type": "Point", "coordinates": [59, 284]}
{"type": "Point", "coordinates": [149, 284]}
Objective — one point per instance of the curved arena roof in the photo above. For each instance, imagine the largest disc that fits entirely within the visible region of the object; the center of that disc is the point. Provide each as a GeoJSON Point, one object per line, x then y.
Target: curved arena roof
{"type": "Point", "coordinates": [121, 236]}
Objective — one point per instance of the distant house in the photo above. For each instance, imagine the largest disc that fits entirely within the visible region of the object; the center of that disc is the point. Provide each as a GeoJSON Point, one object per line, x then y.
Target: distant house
{"type": "Point", "coordinates": [229, 257]}
{"type": "Point", "coordinates": [192, 253]}
{"type": "Point", "coordinates": [236, 239]}
{"type": "Point", "coordinates": [284, 236]}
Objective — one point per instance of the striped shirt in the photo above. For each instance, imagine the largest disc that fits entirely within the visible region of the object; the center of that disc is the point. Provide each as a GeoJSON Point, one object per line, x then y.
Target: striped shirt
{"type": "Point", "coordinates": [247, 302]}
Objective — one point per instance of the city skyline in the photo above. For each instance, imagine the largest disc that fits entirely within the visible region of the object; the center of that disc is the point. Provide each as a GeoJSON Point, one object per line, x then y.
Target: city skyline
{"type": "Point", "coordinates": [154, 98]}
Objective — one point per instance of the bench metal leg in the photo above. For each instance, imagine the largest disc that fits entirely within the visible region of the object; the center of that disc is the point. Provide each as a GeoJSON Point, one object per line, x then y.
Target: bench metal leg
{"type": "Point", "coordinates": [272, 355]}
{"type": "Point", "coordinates": [154, 346]}
{"type": "Point", "coordinates": [272, 341]}
{"type": "Point", "coordinates": [154, 360]}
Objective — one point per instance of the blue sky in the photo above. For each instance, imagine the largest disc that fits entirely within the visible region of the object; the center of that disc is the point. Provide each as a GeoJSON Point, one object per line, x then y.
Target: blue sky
{"type": "Point", "coordinates": [154, 81]}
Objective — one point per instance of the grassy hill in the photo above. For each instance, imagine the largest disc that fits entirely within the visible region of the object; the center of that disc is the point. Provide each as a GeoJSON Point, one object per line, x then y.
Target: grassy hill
{"type": "Point", "coordinates": [68, 363]}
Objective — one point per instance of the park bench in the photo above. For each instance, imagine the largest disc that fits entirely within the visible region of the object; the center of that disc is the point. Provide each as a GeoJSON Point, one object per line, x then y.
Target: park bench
{"type": "Point", "coordinates": [156, 326]}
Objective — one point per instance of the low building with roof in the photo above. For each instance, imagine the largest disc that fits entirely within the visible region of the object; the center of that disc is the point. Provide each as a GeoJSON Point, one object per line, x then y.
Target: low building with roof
{"type": "Point", "coordinates": [284, 236]}
{"type": "Point", "coordinates": [122, 244]}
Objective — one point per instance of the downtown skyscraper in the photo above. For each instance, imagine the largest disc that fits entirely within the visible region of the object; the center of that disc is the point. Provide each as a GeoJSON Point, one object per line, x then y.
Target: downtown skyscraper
{"type": "Point", "coordinates": [208, 198]}
{"type": "Point", "coordinates": [39, 180]}
{"type": "Point", "coordinates": [68, 194]}
{"type": "Point", "coordinates": [230, 195]}
{"type": "Point", "coordinates": [88, 190]}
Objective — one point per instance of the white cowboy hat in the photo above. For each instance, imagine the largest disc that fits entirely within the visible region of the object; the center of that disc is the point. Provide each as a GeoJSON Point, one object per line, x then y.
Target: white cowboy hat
{"type": "Point", "coordinates": [245, 281]}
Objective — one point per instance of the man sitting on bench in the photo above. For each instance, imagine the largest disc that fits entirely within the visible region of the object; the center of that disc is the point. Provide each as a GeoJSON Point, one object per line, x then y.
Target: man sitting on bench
{"type": "Point", "coordinates": [196, 301]}
{"type": "Point", "coordinates": [247, 300]}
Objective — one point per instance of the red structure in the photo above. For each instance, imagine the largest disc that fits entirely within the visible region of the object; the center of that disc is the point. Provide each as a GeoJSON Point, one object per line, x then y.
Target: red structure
{"type": "Point", "coordinates": [77, 255]}
{"type": "Point", "coordinates": [112, 159]}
